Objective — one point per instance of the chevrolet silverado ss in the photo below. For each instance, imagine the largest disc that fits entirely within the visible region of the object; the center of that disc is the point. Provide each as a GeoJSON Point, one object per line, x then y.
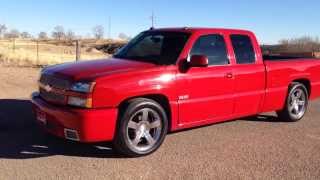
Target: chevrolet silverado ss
{"type": "Point", "coordinates": [171, 79]}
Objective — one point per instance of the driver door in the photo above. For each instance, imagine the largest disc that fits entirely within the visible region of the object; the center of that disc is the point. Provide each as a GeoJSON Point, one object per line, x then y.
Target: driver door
{"type": "Point", "coordinates": [207, 93]}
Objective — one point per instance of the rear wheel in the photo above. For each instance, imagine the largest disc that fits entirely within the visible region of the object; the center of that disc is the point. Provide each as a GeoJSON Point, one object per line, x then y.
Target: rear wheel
{"type": "Point", "coordinates": [142, 128]}
{"type": "Point", "coordinates": [296, 103]}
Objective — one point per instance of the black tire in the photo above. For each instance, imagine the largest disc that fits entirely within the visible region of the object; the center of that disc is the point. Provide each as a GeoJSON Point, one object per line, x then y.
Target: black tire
{"type": "Point", "coordinates": [123, 142]}
{"type": "Point", "coordinates": [286, 114]}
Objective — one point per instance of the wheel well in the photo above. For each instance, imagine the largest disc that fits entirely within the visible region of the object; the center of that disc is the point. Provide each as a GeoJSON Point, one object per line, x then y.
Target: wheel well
{"type": "Point", "coordinates": [306, 83]}
{"type": "Point", "coordinates": [159, 98]}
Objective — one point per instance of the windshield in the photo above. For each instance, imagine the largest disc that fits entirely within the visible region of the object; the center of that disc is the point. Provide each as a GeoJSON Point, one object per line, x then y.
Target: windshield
{"type": "Point", "coordinates": [155, 47]}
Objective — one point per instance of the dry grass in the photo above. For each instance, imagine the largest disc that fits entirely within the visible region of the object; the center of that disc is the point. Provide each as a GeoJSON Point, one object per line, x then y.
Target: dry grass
{"type": "Point", "coordinates": [24, 52]}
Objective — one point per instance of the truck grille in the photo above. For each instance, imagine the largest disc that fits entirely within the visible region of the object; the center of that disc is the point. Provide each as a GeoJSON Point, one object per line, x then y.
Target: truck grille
{"type": "Point", "coordinates": [52, 97]}
{"type": "Point", "coordinates": [56, 84]}
{"type": "Point", "coordinates": [54, 81]}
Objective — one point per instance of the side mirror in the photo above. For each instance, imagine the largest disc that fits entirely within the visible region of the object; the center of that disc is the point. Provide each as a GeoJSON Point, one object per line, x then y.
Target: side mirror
{"type": "Point", "coordinates": [198, 61]}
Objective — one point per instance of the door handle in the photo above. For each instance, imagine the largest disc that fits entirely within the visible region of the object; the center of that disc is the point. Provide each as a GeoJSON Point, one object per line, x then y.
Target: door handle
{"type": "Point", "coordinates": [229, 75]}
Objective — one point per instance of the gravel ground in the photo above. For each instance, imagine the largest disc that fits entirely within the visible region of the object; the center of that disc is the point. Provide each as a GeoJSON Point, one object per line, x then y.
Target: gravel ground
{"type": "Point", "coordinates": [249, 148]}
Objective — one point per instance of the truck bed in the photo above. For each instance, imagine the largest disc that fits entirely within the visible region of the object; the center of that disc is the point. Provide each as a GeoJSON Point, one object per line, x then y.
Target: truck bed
{"type": "Point", "coordinates": [284, 58]}
{"type": "Point", "coordinates": [281, 71]}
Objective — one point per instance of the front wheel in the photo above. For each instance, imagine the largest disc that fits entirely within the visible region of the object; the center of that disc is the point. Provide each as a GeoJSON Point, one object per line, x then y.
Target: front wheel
{"type": "Point", "coordinates": [296, 103]}
{"type": "Point", "coordinates": [142, 128]}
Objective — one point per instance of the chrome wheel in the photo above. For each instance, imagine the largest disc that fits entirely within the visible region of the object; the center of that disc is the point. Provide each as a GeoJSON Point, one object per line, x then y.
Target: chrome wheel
{"type": "Point", "coordinates": [297, 103]}
{"type": "Point", "coordinates": [144, 129]}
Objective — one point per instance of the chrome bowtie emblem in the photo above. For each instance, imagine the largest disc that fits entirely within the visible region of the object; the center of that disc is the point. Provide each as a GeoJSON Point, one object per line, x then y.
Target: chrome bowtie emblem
{"type": "Point", "coordinates": [48, 88]}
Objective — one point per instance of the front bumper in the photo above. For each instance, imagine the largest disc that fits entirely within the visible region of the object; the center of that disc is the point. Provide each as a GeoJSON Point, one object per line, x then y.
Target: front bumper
{"type": "Point", "coordinates": [84, 125]}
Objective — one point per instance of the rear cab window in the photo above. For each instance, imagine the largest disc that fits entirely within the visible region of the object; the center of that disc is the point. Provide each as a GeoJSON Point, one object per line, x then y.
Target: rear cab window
{"type": "Point", "coordinates": [243, 49]}
{"type": "Point", "coordinates": [214, 47]}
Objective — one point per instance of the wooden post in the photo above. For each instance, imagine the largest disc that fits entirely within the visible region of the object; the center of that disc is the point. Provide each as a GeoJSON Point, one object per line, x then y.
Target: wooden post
{"type": "Point", "coordinates": [38, 63]}
{"type": "Point", "coordinates": [78, 50]}
{"type": "Point", "coordinates": [14, 45]}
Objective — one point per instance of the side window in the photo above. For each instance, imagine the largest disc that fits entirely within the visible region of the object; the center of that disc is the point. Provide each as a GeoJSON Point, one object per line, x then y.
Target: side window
{"type": "Point", "coordinates": [214, 47]}
{"type": "Point", "coordinates": [243, 49]}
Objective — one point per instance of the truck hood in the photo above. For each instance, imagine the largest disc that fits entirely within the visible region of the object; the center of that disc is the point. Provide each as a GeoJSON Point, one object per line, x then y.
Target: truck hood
{"type": "Point", "coordinates": [89, 70]}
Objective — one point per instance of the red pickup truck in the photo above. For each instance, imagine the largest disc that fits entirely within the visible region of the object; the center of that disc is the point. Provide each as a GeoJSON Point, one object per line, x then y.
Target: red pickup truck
{"type": "Point", "coordinates": [170, 79]}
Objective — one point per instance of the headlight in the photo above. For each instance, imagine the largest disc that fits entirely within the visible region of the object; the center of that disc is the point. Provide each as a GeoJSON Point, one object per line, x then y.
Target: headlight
{"type": "Point", "coordinates": [82, 87]}
{"type": "Point", "coordinates": [80, 102]}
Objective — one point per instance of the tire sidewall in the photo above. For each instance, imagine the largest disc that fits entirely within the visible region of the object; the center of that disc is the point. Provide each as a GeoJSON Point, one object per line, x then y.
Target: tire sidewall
{"type": "Point", "coordinates": [133, 107]}
{"type": "Point", "coordinates": [292, 89]}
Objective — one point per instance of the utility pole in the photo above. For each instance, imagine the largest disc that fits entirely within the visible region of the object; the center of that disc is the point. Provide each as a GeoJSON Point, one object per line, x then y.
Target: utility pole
{"type": "Point", "coordinates": [152, 19]}
{"type": "Point", "coordinates": [109, 28]}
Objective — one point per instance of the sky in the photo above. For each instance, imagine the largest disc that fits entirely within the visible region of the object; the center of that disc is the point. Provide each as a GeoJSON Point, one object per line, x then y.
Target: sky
{"type": "Point", "coordinates": [271, 20]}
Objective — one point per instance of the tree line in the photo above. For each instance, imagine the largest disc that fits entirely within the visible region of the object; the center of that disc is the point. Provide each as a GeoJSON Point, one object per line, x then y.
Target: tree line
{"type": "Point", "coordinates": [58, 33]}
{"type": "Point", "coordinates": [302, 44]}
{"type": "Point", "coordinates": [294, 45]}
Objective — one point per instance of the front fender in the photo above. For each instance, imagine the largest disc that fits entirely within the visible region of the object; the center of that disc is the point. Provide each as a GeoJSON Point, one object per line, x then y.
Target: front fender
{"type": "Point", "coordinates": [111, 91]}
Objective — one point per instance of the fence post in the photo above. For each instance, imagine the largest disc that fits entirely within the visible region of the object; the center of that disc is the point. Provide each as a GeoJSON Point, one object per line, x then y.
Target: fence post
{"type": "Point", "coordinates": [14, 45]}
{"type": "Point", "coordinates": [38, 63]}
{"type": "Point", "coordinates": [78, 50]}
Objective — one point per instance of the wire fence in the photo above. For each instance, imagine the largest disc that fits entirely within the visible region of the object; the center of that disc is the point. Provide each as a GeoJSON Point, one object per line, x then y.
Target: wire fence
{"type": "Point", "coordinates": [46, 52]}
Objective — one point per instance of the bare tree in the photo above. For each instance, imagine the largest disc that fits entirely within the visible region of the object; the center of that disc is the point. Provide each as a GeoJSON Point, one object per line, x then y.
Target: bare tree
{"type": "Point", "coordinates": [25, 35]}
{"type": "Point", "coordinates": [58, 33]}
{"type": "Point", "coordinates": [42, 35]}
{"type": "Point", "coordinates": [123, 36]}
{"type": "Point", "coordinates": [284, 41]}
{"type": "Point", "coordinates": [3, 29]}
{"type": "Point", "coordinates": [70, 35]}
{"type": "Point", "coordinates": [13, 33]}
{"type": "Point", "coordinates": [98, 32]}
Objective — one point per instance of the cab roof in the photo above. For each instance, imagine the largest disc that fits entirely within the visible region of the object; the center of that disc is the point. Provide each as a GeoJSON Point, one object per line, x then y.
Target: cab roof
{"type": "Point", "coordinates": [199, 29]}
